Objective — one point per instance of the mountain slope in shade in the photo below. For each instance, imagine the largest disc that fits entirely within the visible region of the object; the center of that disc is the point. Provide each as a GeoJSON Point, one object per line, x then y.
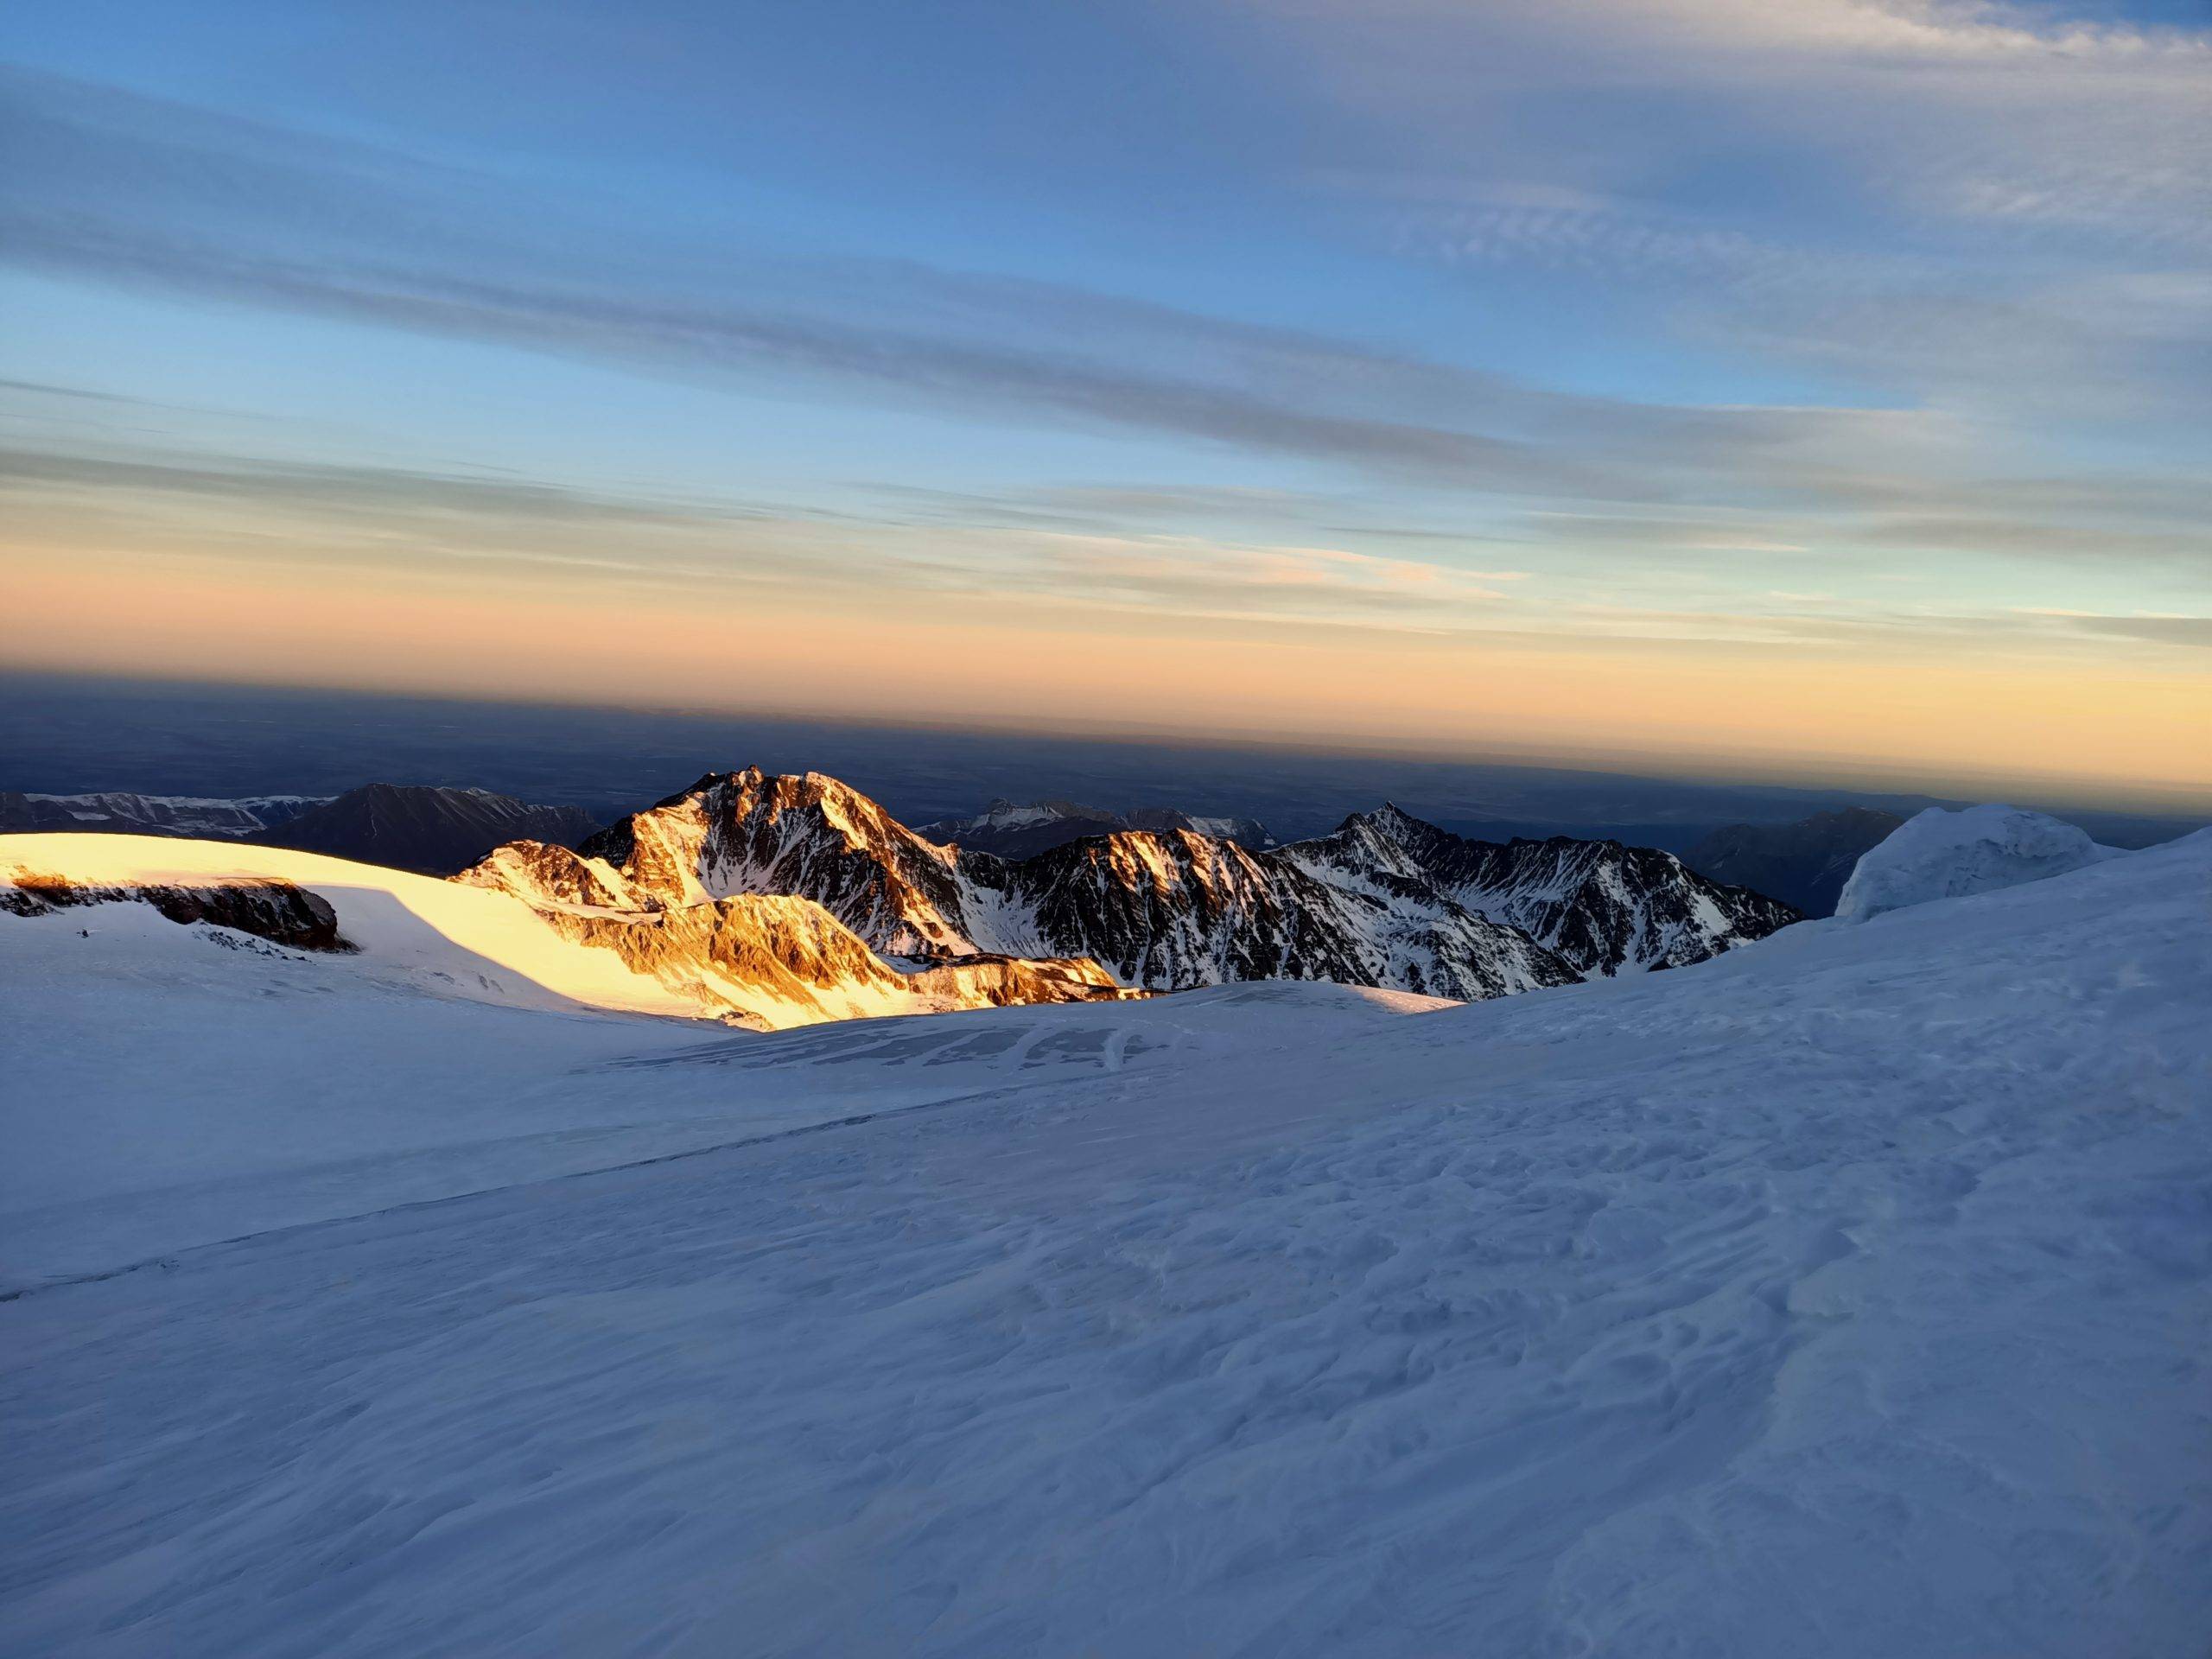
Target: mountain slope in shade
{"type": "Point", "coordinates": [1804, 864]}
{"type": "Point", "coordinates": [122, 813]}
{"type": "Point", "coordinates": [428, 829]}
{"type": "Point", "coordinates": [768, 963]}
{"type": "Point", "coordinates": [1387, 901]}
{"type": "Point", "coordinates": [1017, 830]}
{"type": "Point", "coordinates": [1605, 907]}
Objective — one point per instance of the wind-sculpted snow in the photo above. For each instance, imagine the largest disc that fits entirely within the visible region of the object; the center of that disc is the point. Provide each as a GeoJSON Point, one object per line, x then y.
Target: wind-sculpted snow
{"type": "Point", "coordinates": [1846, 1296]}
{"type": "Point", "coordinates": [1940, 854]}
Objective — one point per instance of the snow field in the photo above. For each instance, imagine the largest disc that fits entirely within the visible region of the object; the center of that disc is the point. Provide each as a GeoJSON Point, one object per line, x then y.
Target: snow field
{"type": "Point", "coordinates": [1849, 1294]}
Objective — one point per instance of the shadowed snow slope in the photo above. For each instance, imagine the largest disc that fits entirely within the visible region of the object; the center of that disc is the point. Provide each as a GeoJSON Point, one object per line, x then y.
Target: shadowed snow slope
{"type": "Point", "coordinates": [1940, 854]}
{"type": "Point", "coordinates": [1850, 1295]}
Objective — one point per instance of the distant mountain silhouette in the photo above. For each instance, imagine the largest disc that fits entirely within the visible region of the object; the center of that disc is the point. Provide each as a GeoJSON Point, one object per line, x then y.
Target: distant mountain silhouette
{"type": "Point", "coordinates": [1804, 864]}
{"type": "Point", "coordinates": [429, 829]}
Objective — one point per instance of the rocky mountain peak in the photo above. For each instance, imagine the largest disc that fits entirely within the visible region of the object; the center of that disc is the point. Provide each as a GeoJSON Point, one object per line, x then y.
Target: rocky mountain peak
{"type": "Point", "coordinates": [1386, 900]}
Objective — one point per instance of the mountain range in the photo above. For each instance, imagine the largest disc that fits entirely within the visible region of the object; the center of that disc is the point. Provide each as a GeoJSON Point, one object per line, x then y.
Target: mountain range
{"type": "Point", "coordinates": [120, 813]}
{"type": "Point", "coordinates": [1386, 900]}
{"type": "Point", "coordinates": [778, 900]}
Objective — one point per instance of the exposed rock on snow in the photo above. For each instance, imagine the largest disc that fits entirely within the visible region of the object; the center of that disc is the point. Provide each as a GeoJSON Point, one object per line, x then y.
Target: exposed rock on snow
{"type": "Point", "coordinates": [1387, 901]}
{"type": "Point", "coordinates": [267, 908]}
{"type": "Point", "coordinates": [1603, 907]}
{"type": "Point", "coordinates": [767, 961]}
{"type": "Point", "coordinates": [1165, 910]}
{"type": "Point", "coordinates": [757, 949]}
{"type": "Point", "coordinates": [1940, 854]}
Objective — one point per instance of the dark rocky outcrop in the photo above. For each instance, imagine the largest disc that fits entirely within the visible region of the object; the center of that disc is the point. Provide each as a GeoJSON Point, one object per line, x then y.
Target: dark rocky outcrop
{"type": "Point", "coordinates": [272, 910]}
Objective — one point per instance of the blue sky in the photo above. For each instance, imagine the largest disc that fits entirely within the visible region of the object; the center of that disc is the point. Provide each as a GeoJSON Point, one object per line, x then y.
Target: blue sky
{"type": "Point", "coordinates": [1690, 376]}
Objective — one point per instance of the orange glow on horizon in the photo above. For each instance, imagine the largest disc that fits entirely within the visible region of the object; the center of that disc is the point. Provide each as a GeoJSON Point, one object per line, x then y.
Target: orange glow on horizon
{"type": "Point", "coordinates": [2095, 726]}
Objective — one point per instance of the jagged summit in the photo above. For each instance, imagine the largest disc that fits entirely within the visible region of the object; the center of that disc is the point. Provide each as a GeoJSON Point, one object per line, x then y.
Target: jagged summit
{"type": "Point", "coordinates": [1387, 899]}
{"type": "Point", "coordinates": [780, 898]}
{"type": "Point", "coordinates": [1605, 907]}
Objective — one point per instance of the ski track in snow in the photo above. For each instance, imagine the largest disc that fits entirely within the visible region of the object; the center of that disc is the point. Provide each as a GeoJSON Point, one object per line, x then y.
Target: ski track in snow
{"type": "Point", "coordinates": [1848, 1294]}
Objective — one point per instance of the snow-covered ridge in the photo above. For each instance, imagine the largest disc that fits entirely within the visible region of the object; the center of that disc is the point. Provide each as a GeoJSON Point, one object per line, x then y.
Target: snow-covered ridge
{"type": "Point", "coordinates": [1162, 910]}
{"type": "Point", "coordinates": [768, 963]}
{"type": "Point", "coordinates": [1387, 901]}
{"type": "Point", "coordinates": [1943, 855]}
{"type": "Point", "coordinates": [1605, 907]}
{"type": "Point", "coordinates": [782, 900]}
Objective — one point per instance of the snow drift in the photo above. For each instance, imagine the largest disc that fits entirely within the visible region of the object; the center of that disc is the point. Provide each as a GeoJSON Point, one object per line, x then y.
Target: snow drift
{"type": "Point", "coordinates": [1940, 854]}
{"type": "Point", "coordinates": [1845, 1296]}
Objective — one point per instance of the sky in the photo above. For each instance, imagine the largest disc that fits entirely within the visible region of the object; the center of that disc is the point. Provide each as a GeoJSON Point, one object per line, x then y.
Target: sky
{"type": "Point", "coordinates": [1800, 389]}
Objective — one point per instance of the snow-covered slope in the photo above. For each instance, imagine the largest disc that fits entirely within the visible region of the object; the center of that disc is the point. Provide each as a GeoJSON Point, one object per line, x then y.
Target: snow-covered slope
{"type": "Point", "coordinates": [764, 961]}
{"type": "Point", "coordinates": [1167, 910]}
{"type": "Point", "coordinates": [1940, 854]}
{"type": "Point", "coordinates": [1846, 1296]}
{"type": "Point", "coordinates": [168, 1087]}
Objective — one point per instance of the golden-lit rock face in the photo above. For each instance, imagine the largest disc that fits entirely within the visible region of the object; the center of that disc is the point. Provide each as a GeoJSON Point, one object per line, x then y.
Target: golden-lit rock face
{"type": "Point", "coordinates": [773, 901]}
{"type": "Point", "coordinates": [1385, 900]}
{"type": "Point", "coordinates": [688, 903]}
{"type": "Point", "coordinates": [764, 947]}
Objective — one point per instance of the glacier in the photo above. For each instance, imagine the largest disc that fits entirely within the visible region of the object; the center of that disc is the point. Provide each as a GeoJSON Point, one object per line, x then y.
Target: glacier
{"type": "Point", "coordinates": [1851, 1294]}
